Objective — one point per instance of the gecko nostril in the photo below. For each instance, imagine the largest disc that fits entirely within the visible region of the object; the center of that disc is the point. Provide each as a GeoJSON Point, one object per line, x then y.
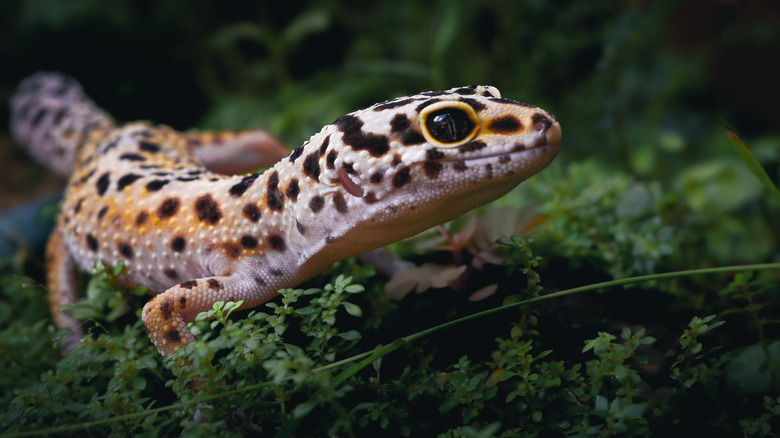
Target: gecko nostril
{"type": "Point", "coordinates": [541, 123]}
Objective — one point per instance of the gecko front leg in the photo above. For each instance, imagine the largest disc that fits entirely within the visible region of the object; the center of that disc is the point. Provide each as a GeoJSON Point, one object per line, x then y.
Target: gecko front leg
{"type": "Point", "coordinates": [166, 315]}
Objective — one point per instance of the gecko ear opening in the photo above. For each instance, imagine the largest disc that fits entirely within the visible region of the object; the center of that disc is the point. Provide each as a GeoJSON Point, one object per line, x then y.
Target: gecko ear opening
{"type": "Point", "coordinates": [449, 124]}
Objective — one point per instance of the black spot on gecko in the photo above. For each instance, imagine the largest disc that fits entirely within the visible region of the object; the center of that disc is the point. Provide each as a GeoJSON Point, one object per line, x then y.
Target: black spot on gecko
{"type": "Point", "coordinates": [432, 168]}
{"type": "Point", "coordinates": [126, 180]}
{"type": "Point", "coordinates": [84, 179]}
{"type": "Point", "coordinates": [276, 242]}
{"type": "Point", "coordinates": [276, 272]}
{"type": "Point", "coordinates": [511, 102]}
{"type": "Point", "coordinates": [340, 203]}
{"type": "Point", "coordinates": [472, 146]}
{"type": "Point", "coordinates": [141, 218]}
{"type": "Point", "coordinates": [465, 91]}
{"type": "Point", "coordinates": [421, 106]}
{"type": "Point", "coordinates": [102, 212]}
{"type": "Point", "coordinates": [434, 154]}
{"type": "Point", "coordinates": [292, 190]}
{"type": "Point", "coordinates": [503, 159]}
{"type": "Point", "coordinates": [478, 106]}
{"type": "Point", "coordinates": [148, 146]}
{"type": "Point", "coordinates": [207, 209]}
{"type": "Point", "coordinates": [401, 177]}
{"type": "Point", "coordinates": [59, 115]}
{"type": "Point", "coordinates": [172, 336]}
{"type": "Point", "coordinates": [311, 166]}
{"type": "Point", "coordinates": [38, 117]}
{"type": "Point", "coordinates": [399, 123]}
{"type": "Point", "coordinates": [316, 203]}
{"type": "Point", "coordinates": [166, 309]}
{"type": "Point", "coordinates": [390, 104]}
{"type": "Point", "coordinates": [273, 197]}
{"type": "Point", "coordinates": [183, 301]}
{"type": "Point", "coordinates": [369, 198]}
{"type": "Point", "coordinates": [411, 137]}
{"type": "Point", "coordinates": [351, 126]}
{"type": "Point", "coordinates": [156, 184]}
{"type": "Point", "coordinates": [125, 249]}
{"type": "Point", "coordinates": [296, 153]}
{"type": "Point", "coordinates": [251, 212]}
{"type": "Point", "coordinates": [460, 166]}
{"type": "Point", "coordinates": [505, 125]}
{"type": "Point", "coordinates": [189, 284]}
{"type": "Point", "coordinates": [248, 241]}
{"type": "Point", "coordinates": [324, 145]}
{"type": "Point", "coordinates": [214, 284]}
{"type": "Point", "coordinates": [178, 244]}
{"type": "Point", "coordinates": [110, 145]}
{"type": "Point", "coordinates": [77, 208]}
{"type": "Point", "coordinates": [301, 230]}
{"type": "Point", "coordinates": [241, 187]}
{"type": "Point", "coordinates": [259, 281]}
{"type": "Point", "coordinates": [330, 160]}
{"type": "Point", "coordinates": [102, 183]}
{"type": "Point", "coordinates": [168, 208]}
{"type": "Point", "coordinates": [172, 274]}
{"type": "Point", "coordinates": [376, 177]}
{"type": "Point", "coordinates": [92, 243]}
{"type": "Point", "coordinates": [132, 157]}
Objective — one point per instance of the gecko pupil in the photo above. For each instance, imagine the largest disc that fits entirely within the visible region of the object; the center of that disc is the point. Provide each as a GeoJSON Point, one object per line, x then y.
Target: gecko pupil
{"type": "Point", "coordinates": [449, 125]}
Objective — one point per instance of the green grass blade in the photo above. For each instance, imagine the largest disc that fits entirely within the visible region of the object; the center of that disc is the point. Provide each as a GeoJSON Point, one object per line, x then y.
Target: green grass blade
{"type": "Point", "coordinates": [747, 156]}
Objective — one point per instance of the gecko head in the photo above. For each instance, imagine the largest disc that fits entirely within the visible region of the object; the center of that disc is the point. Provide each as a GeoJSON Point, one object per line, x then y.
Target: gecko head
{"type": "Point", "coordinates": [432, 156]}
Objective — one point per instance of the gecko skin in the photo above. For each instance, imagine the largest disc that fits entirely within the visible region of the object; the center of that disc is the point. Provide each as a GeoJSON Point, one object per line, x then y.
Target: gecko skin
{"type": "Point", "coordinates": [152, 198]}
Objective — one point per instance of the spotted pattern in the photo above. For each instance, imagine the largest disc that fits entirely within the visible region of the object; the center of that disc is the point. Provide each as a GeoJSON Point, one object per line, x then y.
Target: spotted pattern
{"type": "Point", "coordinates": [168, 208]}
{"type": "Point", "coordinates": [207, 209]}
{"type": "Point", "coordinates": [152, 198]}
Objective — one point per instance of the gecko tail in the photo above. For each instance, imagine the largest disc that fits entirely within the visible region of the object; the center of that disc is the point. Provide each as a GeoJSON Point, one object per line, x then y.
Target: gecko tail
{"type": "Point", "coordinates": [51, 116]}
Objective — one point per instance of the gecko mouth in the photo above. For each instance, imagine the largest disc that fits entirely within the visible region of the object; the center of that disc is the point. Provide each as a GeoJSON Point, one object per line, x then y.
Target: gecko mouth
{"type": "Point", "coordinates": [539, 156]}
{"type": "Point", "coordinates": [517, 154]}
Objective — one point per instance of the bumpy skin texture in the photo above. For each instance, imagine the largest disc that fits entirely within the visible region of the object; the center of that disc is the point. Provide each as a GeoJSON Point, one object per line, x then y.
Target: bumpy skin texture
{"type": "Point", "coordinates": [150, 197]}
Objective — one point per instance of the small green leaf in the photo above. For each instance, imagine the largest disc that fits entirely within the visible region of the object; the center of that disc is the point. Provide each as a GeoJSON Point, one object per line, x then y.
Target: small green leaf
{"type": "Point", "coordinates": [118, 268]}
{"type": "Point", "coordinates": [303, 409]}
{"type": "Point", "coordinates": [354, 288]}
{"type": "Point", "coordinates": [352, 335]}
{"type": "Point", "coordinates": [353, 309]}
{"type": "Point", "coordinates": [601, 405]}
{"type": "Point", "coordinates": [139, 383]}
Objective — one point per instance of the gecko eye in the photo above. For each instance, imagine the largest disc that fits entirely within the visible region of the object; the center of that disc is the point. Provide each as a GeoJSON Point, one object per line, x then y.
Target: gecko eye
{"type": "Point", "coordinates": [449, 124]}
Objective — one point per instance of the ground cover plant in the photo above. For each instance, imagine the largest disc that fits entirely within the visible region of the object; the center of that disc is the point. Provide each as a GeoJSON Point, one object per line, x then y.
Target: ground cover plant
{"type": "Point", "coordinates": [628, 290]}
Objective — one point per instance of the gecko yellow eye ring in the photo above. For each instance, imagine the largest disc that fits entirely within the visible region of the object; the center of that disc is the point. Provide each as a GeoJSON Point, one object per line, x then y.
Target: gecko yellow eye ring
{"type": "Point", "coordinates": [449, 124]}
